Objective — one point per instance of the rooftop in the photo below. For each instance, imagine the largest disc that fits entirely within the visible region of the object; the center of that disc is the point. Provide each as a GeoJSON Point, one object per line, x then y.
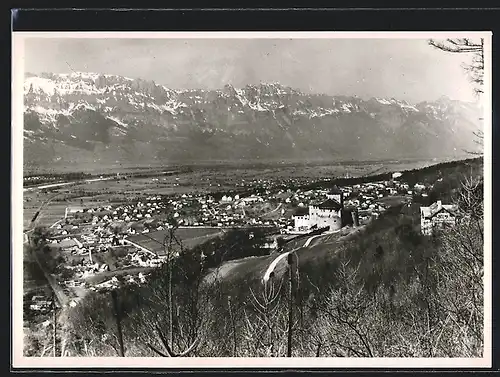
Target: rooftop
{"type": "Point", "coordinates": [436, 207]}
{"type": "Point", "coordinates": [301, 211]}
{"type": "Point", "coordinates": [335, 190]}
{"type": "Point", "coordinates": [330, 204]}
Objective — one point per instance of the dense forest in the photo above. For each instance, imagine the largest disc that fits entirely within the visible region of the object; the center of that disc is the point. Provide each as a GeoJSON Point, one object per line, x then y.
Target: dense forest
{"type": "Point", "coordinates": [428, 174]}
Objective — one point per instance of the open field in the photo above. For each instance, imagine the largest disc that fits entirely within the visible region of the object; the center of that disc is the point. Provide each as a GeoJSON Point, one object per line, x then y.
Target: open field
{"type": "Point", "coordinates": [210, 178]}
{"type": "Point", "coordinates": [94, 168]}
{"type": "Point", "coordinates": [320, 249]}
{"type": "Point", "coordinates": [54, 202]}
{"type": "Point", "coordinates": [47, 216]}
{"type": "Point", "coordinates": [120, 167]}
{"type": "Point", "coordinates": [242, 269]}
{"type": "Point", "coordinates": [393, 200]}
{"type": "Point", "coordinates": [190, 237]}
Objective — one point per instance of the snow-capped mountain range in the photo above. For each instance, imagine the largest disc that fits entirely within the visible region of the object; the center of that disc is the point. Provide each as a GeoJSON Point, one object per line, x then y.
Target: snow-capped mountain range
{"type": "Point", "coordinates": [108, 118]}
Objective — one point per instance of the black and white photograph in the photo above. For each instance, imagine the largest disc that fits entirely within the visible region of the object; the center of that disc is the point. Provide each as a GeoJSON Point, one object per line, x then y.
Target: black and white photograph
{"type": "Point", "coordinates": [231, 199]}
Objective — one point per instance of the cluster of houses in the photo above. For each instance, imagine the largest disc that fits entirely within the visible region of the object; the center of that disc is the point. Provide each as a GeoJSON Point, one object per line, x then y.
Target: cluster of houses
{"type": "Point", "coordinates": [34, 178]}
{"type": "Point", "coordinates": [358, 204]}
{"type": "Point", "coordinates": [271, 184]}
{"type": "Point", "coordinates": [114, 283]}
{"type": "Point", "coordinates": [40, 303]}
{"type": "Point", "coordinates": [351, 205]}
{"type": "Point", "coordinates": [84, 233]}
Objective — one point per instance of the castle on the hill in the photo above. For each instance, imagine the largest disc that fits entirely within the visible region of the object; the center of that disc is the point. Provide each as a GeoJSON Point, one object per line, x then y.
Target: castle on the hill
{"type": "Point", "coordinates": [329, 214]}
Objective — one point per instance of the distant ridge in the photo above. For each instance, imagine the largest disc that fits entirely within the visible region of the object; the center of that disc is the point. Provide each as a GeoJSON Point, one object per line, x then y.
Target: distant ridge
{"type": "Point", "coordinates": [87, 117]}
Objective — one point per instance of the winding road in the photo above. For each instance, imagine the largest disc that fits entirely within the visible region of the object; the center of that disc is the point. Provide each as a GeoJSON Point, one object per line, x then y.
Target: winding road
{"type": "Point", "coordinates": [274, 210]}
{"type": "Point", "coordinates": [306, 244]}
{"type": "Point", "coordinates": [275, 262]}
{"type": "Point", "coordinates": [60, 295]}
{"type": "Point", "coordinates": [60, 184]}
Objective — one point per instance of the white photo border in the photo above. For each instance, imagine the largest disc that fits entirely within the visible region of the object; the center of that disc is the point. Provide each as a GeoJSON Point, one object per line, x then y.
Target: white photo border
{"type": "Point", "coordinates": [62, 363]}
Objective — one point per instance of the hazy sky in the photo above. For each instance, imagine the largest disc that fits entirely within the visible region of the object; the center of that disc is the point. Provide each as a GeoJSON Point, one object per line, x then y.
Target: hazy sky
{"type": "Point", "coordinates": [404, 69]}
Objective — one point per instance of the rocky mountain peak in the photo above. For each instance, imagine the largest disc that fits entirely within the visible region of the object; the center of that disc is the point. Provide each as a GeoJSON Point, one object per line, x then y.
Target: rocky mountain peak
{"type": "Point", "coordinates": [124, 118]}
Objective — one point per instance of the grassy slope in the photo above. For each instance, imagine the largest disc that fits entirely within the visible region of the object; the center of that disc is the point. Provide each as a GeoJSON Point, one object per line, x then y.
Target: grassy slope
{"type": "Point", "coordinates": [323, 252]}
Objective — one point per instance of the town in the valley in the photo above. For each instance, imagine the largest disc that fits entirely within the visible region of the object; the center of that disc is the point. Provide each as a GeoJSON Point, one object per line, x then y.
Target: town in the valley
{"type": "Point", "coordinates": [132, 234]}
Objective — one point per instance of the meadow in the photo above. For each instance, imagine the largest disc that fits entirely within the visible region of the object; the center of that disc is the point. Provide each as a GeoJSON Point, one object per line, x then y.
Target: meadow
{"type": "Point", "coordinates": [200, 178]}
{"type": "Point", "coordinates": [189, 237]}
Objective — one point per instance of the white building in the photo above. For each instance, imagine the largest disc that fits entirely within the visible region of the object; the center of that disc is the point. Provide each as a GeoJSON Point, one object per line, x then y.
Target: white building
{"type": "Point", "coordinates": [302, 221]}
{"type": "Point", "coordinates": [326, 214]}
{"type": "Point", "coordinates": [70, 211]}
{"type": "Point", "coordinates": [250, 199]}
{"type": "Point", "coordinates": [419, 187]}
{"type": "Point", "coordinates": [437, 215]}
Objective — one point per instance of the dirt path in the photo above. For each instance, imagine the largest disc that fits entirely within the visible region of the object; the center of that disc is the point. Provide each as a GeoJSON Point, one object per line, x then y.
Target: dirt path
{"type": "Point", "coordinates": [61, 296]}
{"type": "Point", "coordinates": [274, 210]}
{"type": "Point", "coordinates": [306, 244]}
{"type": "Point", "coordinates": [223, 271]}
{"type": "Point", "coordinates": [273, 264]}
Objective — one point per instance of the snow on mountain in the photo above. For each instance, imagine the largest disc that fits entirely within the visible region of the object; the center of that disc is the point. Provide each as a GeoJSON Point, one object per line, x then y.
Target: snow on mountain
{"type": "Point", "coordinates": [104, 89]}
{"type": "Point", "coordinates": [84, 110]}
{"type": "Point", "coordinates": [116, 120]}
{"type": "Point", "coordinates": [383, 101]}
{"type": "Point", "coordinates": [39, 84]}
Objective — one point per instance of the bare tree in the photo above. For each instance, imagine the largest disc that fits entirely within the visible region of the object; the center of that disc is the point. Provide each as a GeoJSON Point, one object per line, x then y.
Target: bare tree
{"type": "Point", "coordinates": [233, 326]}
{"type": "Point", "coordinates": [456, 270]}
{"type": "Point", "coordinates": [170, 352]}
{"type": "Point", "coordinates": [470, 197]}
{"type": "Point", "coordinates": [184, 315]}
{"type": "Point", "coordinates": [344, 313]}
{"type": "Point", "coordinates": [291, 267]}
{"type": "Point", "coordinates": [266, 324]}
{"type": "Point", "coordinates": [118, 314]}
{"type": "Point", "coordinates": [460, 293]}
{"type": "Point", "coordinates": [474, 69]}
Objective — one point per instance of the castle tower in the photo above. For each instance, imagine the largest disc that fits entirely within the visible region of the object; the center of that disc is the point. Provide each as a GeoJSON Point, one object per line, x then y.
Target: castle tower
{"type": "Point", "coordinates": [337, 195]}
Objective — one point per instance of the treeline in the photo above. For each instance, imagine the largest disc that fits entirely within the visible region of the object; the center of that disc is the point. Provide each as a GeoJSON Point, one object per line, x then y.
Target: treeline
{"type": "Point", "coordinates": [348, 181]}
{"type": "Point", "coordinates": [48, 176]}
{"type": "Point", "coordinates": [35, 179]}
{"type": "Point", "coordinates": [446, 181]}
{"type": "Point", "coordinates": [153, 174]}
{"type": "Point", "coordinates": [453, 171]}
{"type": "Point", "coordinates": [429, 174]}
{"type": "Point", "coordinates": [243, 193]}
